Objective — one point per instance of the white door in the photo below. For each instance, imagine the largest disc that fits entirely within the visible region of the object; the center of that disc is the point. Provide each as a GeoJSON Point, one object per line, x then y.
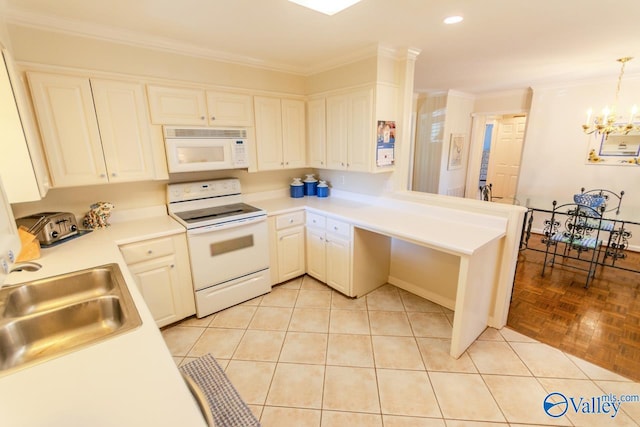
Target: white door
{"type": "Point", "coordinates": [361, 140]}
{"type": "Point", "coordinates": [317, 131]}
{"type": "Point", "coordinates": [177, 106]}
{"type": "Point", "coordinates": [316, 254]}
{"type": "Point", "coordinates": [124, 129]}
{"type": "Point", "coordinates": [67, 119]}
{"type": "Point", "coordinates": [268, 133]}
{"type": "Point", "coordinates": [337, 131]}
{"type": "Point", "coordinates": [291, 253]}
{"type": "Point", "coordinates": [229, 109]}
{"type": "Point", "coordinates": [294, 134]}
{"type": "Point", "coordinates": [339, 263]}
{"type": "Point", "coordinates": [158, 283]}
{"type": "Point", "coordinates": [504, 160]}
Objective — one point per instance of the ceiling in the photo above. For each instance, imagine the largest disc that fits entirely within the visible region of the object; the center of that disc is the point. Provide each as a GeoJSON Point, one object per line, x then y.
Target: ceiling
{"type": "Point", "coordinates": [500, 45]}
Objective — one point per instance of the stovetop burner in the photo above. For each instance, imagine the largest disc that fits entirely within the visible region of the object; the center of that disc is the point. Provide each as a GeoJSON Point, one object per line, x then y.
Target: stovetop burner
{"type": "Point", "coordinates": [216, 213]}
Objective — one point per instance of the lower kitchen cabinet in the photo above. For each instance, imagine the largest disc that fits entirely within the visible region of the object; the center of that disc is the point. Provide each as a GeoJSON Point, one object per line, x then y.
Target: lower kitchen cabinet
{"type": "Point", "coordinates": [287, 249]}
{"type": "Point", "coordinates": [161, 270]}
{"type": "Point", "coordinates": [329, 251]}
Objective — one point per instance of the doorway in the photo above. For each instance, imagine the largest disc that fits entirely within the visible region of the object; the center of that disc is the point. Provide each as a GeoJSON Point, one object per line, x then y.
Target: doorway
{"type": "Point", "coordinates": [495, 155]}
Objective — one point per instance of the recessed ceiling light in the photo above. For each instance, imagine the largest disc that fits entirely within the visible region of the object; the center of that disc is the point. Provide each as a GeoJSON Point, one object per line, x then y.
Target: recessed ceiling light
{"type": "Point", "coordinates": [453, 19]}
{"type": "Point", "coordinates": [328, 7]}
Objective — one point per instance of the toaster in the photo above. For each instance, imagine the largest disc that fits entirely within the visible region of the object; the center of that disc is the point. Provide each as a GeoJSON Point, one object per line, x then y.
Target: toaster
{"type": "Point", "coordinates": [50, 227]}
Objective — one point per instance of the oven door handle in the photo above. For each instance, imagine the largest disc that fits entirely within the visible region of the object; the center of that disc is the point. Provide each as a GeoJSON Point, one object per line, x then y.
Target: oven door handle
{"type": "Point", "coordinates": [226, 225]}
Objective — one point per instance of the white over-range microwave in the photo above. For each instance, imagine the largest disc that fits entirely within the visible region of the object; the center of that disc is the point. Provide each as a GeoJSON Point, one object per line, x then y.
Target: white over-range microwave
{"type": "Point", "coordinates": [193, 149]}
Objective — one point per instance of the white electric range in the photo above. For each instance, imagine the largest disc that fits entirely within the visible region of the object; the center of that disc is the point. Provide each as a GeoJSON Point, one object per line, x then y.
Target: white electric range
{"type": "Point", "coordinates": [227, 239]}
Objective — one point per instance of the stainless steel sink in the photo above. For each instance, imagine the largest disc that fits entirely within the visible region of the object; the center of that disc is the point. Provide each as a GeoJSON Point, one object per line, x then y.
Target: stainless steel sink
{"type": "Point", "coordinates": [59, 291]}
{"type": "Point", "coordinates": [47, 318]}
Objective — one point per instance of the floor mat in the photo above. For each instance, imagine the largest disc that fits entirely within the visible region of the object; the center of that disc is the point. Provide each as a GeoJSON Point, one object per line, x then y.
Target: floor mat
{"type": "Point", "coordinates": [227, 407]}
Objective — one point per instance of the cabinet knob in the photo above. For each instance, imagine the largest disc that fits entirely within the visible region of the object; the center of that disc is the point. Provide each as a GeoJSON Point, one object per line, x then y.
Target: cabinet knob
{"type": "Point", "coordinates": [149, 252]}
{"type": "Point", "coordinates": [202, 117]}
{"type": "Point", "coordinates": [172, 266]}
{"type": "Point", "coordinates": [114, 174]}
{"type": "Point", "coordinates": [287, 163]}
{"type": "Point", "coordinates": [321, 162]}
{"type": "Point", "coordinates": [335, 227]}
{"type": "Point", "coordinates": [341, 163]}
{"type": "Point", "coordinates": [290, 220]}
{"type": "Point", "coordinates": [102, 175]}
{"type": "Point", "coordinates": [213, 117]}
{"type": "Point", "coordinates": [281, 163]}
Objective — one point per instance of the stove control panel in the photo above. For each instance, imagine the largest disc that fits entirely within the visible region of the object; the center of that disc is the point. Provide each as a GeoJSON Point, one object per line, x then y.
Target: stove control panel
{"type": "Point", "coordinates": [185, 191]}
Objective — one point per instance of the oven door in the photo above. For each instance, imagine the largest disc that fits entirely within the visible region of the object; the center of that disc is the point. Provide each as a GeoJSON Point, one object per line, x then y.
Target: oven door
{"type": "Point", "coordinates": [228, 251]}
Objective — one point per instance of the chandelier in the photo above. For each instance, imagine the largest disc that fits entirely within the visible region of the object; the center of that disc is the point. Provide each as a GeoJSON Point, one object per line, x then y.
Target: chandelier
{"type": "Point", "coordinates": [608, 122]}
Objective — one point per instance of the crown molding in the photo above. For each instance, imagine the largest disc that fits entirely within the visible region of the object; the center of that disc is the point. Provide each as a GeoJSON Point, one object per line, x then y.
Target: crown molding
{"type": "Point", "coordinates": [137, 39]}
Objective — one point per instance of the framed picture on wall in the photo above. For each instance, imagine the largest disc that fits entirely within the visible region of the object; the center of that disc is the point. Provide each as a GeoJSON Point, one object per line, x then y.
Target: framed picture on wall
{"type": "Point", "coordinates": [456, 148]}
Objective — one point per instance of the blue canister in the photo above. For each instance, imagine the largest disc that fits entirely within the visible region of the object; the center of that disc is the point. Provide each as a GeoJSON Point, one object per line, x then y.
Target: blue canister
{"type": "Point", "coordinates": [323, 189]}
{"type": "Point", "coordinates": [310, 185]}
{"type": "Point", "coordinates": [297, 188]}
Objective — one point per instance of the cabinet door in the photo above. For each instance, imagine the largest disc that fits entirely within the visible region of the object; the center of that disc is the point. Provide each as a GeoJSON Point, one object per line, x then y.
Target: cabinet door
{"type": "Point", "coordinates": [339, 263]}
{"type": "Point", "coordinates": [293, 134]}
{"type": "Point", "coordinates": [337, 132]}
{"type": "Point", "coordinates": [177, 106]}
{"type": "Point", "coordinates": [268, 133]}
{"type": "Point", "coordinates": [69, 129]}
{"type": "Point", "coordinates": [290, 253]}
{"type": "Point", "coordinates": [229, 109]}
{"type": "Point", "coordinates": [317, 134]}
{"type": "Point", "coordinates": [361, 123]}
{"type": "Point", "coordinates": [124, 129]}
{"type": "Point", "coordinates": [157, 281]}
{"type": "Point", "coordinates": [21, 175]}
{"type": "Point", "coordinates": [316, 254]}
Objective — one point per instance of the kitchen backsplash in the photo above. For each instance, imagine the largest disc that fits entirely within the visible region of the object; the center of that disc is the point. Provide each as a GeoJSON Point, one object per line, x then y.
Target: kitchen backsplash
{"type": "Point", "coordinates": [135, 195]}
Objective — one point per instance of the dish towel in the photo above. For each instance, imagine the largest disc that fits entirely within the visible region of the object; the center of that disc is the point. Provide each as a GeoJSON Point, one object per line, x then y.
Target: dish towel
{"type": "Point", "coordinates": [228, 408]}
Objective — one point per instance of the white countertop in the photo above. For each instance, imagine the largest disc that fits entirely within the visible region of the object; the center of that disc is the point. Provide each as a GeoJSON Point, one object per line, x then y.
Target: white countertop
{"type": "Point", "coordinates": [131, 379]}
{"type": "Point", "coordinates": [449, 230]}
{"type": "Point", "coordinates": [128, 380]}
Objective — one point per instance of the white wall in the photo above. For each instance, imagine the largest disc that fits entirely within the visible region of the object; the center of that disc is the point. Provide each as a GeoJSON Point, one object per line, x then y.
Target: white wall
{"type": "Point", "coordinates": [458, 122]}
{"type": "Point", "coordinates": [135, 195]}
{"type": "Point", "coordinates": [555, 150]}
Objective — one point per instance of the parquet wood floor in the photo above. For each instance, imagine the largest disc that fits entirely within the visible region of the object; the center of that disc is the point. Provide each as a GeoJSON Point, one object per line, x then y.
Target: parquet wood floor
{"type": "Point", "coordinates": [600, 324]}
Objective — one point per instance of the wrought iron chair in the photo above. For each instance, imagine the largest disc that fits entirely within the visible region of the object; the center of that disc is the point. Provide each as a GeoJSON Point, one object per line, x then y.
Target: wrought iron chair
{"type": "Point", "coordinates": [612, 200]}
{"type": "Point", "coordinates": [618, 239]}
{"type": "Point", "coordinates": [575, 227]}
{"type": "Point", "coordinates": [485, 192]}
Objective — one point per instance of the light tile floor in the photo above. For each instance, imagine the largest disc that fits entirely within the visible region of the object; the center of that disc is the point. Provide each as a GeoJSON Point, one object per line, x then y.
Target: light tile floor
{"type": "Point", "coordinates": [305, 355]}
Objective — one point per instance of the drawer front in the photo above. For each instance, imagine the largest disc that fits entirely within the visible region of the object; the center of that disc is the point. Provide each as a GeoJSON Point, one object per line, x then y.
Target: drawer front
{"type": "Point", "coordinates": [338, 227]}
{"type": "Point", "coordinates": [315, 220]}
{"type": "Point", "coordinates": [147, 249]}
{"type": "Point", "coordinates": [289, 220]}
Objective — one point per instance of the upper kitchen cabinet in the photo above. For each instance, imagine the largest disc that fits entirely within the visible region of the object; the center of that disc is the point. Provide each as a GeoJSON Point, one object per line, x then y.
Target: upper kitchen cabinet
{"type": "Point", "coordinates": [351, 122]}
{"type": "Point", "coordinates": [22, 166]}
{"type": "Point", "coordinates": [280, 133]}
{"type": "Point", "coordinates": [94, 131]}
{"type": "Point", "coordinates": [183, 106]}
{"type": "Point", "coordinates": [316, 133]}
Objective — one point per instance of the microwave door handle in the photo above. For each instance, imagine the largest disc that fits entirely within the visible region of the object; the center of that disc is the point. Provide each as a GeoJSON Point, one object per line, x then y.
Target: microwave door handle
{"type": "Point", "coordinates": [227, 225]}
